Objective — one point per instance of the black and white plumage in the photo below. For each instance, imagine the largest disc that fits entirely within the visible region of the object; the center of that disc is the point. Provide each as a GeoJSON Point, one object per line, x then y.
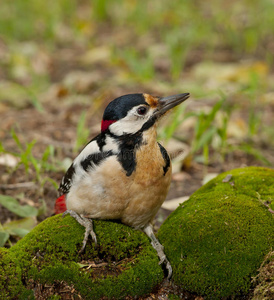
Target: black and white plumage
{"type": "Point", "coordinates": [123, 173]}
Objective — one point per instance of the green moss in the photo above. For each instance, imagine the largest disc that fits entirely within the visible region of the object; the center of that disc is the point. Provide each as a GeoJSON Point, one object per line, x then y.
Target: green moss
{"type": "Point", "coordinates": [49, 255]}
{"type": "Point", "coordinates": [10, 276]}
{"type": "Point", "coordinates": [173, 297]}
{"type": "Point", "coordinates": [218, 238]}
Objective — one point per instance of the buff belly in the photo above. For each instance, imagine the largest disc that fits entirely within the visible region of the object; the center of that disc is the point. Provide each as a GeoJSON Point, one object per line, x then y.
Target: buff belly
{"type": "Point", "coordinates": [105, 192]}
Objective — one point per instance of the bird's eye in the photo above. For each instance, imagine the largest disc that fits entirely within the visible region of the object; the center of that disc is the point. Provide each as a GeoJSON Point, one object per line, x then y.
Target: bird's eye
{"type": "Point", "coordinates": [141, 110]}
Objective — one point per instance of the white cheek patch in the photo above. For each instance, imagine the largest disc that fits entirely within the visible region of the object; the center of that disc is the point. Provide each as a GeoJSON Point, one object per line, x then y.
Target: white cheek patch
{"type": "Point", "coordinates": [131, 123]}
{"type": "Point", "coordinates": [126, 126]}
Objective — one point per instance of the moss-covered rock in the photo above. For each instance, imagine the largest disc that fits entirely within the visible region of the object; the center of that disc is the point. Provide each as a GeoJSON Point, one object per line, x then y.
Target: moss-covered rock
{"type": "Point", "coordinates": [47, 262]}
{"type": "Point", "coordinates": [217, 240]}
{"type": "Point", "coordinates": [10, 276]}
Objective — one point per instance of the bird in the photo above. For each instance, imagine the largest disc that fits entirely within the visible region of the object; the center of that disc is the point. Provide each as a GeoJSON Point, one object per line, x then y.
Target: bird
{"type": "Point", "coordinates": [123, 173]}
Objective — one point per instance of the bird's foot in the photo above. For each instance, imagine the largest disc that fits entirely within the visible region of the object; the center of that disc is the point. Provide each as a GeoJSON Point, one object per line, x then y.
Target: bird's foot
{"type": "Point", "coordinates": [159, 248]}
{"type": "Point", "coordinates": [85, 222]}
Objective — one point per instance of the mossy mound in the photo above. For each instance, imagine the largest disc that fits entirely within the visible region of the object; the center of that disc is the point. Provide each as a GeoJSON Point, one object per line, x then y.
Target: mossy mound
{"type": "Point", "coordinates": [10, 275]}
{"type": "Point", "coordinates": [46, 262]}
{"type": "Point", "coordinates": [217, 240]}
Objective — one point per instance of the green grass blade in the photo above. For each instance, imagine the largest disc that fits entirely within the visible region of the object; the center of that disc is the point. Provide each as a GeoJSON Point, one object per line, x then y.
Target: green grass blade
{"type": "Point", "coordinates": [14, 206]}
{"type": "Point", "coordinates": [4, 236]}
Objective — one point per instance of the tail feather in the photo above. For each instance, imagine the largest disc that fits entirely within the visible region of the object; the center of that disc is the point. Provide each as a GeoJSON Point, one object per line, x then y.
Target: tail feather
{"type": "Point", "coordinates": [60, 205]}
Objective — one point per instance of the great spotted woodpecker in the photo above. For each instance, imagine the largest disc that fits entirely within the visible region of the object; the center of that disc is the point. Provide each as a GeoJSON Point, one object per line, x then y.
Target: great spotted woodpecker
{"type": "Point", "coordinates": [123, 173]}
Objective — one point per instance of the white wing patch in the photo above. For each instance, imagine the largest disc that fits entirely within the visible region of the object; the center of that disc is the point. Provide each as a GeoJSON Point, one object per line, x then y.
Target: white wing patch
{"type": "Point", "coordinates": [90, 148]}
{"type": "Point", "coordinates": [111, 145]}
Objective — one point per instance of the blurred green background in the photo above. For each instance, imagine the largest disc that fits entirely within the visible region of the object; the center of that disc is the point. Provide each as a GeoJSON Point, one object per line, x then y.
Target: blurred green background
{"type": "Point", "coordinates": [62, 61]}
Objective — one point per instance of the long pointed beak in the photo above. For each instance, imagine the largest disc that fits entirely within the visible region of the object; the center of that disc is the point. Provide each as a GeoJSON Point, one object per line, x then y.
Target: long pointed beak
{"type": "Point", "coordinates": [166, 103]}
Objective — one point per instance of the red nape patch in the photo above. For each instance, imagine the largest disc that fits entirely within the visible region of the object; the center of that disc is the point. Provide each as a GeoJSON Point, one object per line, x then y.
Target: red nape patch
{"type": "Point", "coordinates": [106, 123]}
{"type": "Point", "coordinates": [60, 205]}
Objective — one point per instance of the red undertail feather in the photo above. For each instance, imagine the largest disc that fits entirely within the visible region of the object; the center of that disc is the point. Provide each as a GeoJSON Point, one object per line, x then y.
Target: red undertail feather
{"type": "Point", "coordinates": [60, 205]}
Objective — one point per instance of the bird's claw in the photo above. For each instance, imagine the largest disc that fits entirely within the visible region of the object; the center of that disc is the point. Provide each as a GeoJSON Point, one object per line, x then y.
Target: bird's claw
{"type": "Point", "coordinates": [159, 248]}
{"type": "Point", "coordinates": [89, 231]}
{"type": "Point", "coordinates": [164, 260]}
{"type": "Point", "coordinates": [169, 268]}
{"type": "Point", "coordinates": [85, 222]}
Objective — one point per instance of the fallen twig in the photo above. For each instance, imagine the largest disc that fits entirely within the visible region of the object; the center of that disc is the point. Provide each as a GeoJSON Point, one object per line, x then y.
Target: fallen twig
{"type": "Point", "coordinates": [19, 185]}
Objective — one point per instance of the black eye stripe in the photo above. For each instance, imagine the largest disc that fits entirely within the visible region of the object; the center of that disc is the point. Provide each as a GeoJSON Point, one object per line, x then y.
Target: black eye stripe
{"type": "Point", "coordinates": [141, 110]}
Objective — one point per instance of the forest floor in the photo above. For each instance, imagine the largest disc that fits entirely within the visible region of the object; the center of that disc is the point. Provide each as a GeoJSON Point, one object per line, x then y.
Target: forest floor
{"type": "Point", "coordinates": [55, 82]}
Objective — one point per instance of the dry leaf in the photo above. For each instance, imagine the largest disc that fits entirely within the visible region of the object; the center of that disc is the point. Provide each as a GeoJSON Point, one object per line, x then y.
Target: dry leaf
{"type": "Point", "coordinates": [178, 151]}
{"type": "Point", "coordinates": [95, 55]}
{"type": "Point", "coordinates": [9, 160]}
{"type": "Point", "coordinates": [209, 177]}
{"type": "Point", "coordinates": [81, 81]}
{"type": "Point", "coordinates": [237, 128]}
{"type": "Point", "coordinates": [180, 176]}
{"type": "Point", "coordinates": [174, 203]}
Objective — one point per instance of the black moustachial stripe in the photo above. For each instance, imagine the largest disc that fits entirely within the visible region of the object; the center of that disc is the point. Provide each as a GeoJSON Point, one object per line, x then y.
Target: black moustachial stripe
{"type": "Point", "coordinates": [128, 144]}
{"type": "Point", "coordinates": [165, 157]}
{"type": "Point", "coordinates": [66, 181]}
{"type": "Point", "coordinates": [151, 121]}
{"type": "Point", "coordinates": [95, 159]}
{"type": "Point", "coordinates": [127, 155]}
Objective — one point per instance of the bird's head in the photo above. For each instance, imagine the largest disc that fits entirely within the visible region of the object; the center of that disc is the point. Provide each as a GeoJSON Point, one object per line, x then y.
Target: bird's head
{"type": "Point", "coordinates": [131, 113]}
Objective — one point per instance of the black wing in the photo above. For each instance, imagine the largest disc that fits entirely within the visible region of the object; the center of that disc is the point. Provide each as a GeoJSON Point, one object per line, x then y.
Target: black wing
{"type": "Point", "coordinates": [165, 157]}
{"type": "Point", "coordinates": [66, 181]}
{"type": "Point", "coordinates": [87, 162]}
{"type": "Point", "coordinates": [94, 159]}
